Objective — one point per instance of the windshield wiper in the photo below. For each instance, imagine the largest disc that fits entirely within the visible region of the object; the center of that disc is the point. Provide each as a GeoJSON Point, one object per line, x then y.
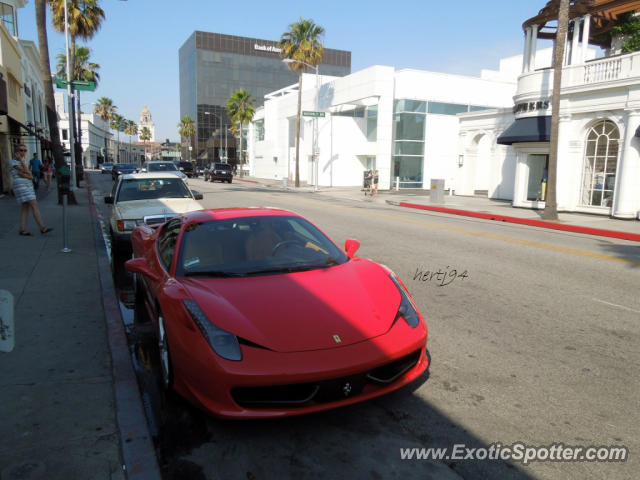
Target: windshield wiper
{"type": "Point", "coordinates": [213, 273]}
{"type": "Point", "coordinates": [289, 269]}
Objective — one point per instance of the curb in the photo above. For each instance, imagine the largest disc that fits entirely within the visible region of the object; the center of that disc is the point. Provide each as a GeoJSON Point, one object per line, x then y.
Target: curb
{"type": "Point", "coordinates": [237, 179]}
{"type": "Point", "coordinates": [138, 454]}
{"type": "Point", "coordinates": [634, 237]}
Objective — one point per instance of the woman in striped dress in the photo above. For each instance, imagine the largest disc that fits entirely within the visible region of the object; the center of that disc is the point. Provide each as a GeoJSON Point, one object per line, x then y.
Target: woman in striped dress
{"type": "Point", "coordinates": [23, 190]}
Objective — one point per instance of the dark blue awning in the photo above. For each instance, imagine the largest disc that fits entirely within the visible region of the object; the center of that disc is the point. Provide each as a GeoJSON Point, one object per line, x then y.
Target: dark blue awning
{"type": "Point", "coordinates": [528, 129]}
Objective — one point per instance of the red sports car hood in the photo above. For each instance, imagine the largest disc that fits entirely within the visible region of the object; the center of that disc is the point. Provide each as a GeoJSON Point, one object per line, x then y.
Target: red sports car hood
{"type": "Point", "coordinates": [311, 310]}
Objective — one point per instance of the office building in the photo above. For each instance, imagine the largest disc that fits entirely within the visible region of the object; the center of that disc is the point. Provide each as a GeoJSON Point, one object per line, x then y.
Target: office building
{"type": "Point", "coordinates": [213, 66]}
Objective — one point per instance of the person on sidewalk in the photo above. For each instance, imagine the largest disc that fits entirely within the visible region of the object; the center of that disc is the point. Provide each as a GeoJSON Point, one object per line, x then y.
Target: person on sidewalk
{"type": "Point", "coordinates": [48, 171]}
{"type": "Point", "coordinates": [375, 183]}
{"type": "Point", "coordinates": [368, 177]}
{"type": "Point", "coordinates": [35, 165]}
{"type": "Point", "coordinates": [24, 192]}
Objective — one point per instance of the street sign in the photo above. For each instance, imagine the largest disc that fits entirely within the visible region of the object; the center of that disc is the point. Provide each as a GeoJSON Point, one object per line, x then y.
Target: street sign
{"type": "Point", "coordinates": [309, 113]}
{"type": "Point", "coordinates": [77, 84]}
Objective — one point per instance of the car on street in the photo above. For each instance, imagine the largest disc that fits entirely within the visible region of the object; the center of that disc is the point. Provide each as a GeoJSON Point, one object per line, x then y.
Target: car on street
{"type": "Point", "coordinates": [219, 171]}
{"type": "Point", "coordinates": [149, 198]}
{"type": "Point", "coordinates": [259, 314]}
{"type": "Point", "coordinates": [163, 166]}
{"type": "Point", "coordinates": [123, 169]}
{"type": "Point", "coordinates": [106, 167]}
{"type": "Point", "coordinates": [188, 169]}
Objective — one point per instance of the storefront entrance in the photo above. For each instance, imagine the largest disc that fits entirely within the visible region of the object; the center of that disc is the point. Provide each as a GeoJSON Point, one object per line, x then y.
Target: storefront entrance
{"type": "Point", "coordinates": [537, 182]}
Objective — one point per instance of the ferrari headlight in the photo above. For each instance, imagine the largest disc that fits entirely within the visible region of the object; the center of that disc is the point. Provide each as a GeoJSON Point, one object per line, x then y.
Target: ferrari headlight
{"type": "Point", "coordinates": [222, 342]}
{"type": "Point", "coordinates": [406, 310]}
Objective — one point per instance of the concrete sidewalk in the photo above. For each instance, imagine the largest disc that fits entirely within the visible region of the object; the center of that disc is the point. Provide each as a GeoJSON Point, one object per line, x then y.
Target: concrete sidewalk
{"type": "Point", "coordinates": [478, 207]}
{"type": "Point", "coordinates": [61, 398]}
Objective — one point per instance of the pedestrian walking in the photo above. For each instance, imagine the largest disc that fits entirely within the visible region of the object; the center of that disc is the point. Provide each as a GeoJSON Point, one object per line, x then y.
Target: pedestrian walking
{"type": "Point", "coordinates": [24, 191]}
{"type": "Point", "coordinates": [35, 165]}
{"type": "Point", "coordinates": [375, 182]}
{"type": "Point", "coordinates": [368, 177]}
{"type": "Point", "coordinates": [48, 171]}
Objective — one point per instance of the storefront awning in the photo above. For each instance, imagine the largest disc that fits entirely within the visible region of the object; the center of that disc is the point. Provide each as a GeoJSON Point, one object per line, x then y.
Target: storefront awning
{"type": "Point", "coordinates": [528, 129]}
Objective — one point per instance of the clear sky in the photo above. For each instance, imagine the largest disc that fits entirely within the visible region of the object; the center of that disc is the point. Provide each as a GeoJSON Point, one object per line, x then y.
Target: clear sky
{"type": "Point", "coordinates": [137, 46]}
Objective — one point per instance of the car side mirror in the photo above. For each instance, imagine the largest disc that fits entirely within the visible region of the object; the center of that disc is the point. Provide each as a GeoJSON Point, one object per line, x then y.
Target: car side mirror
{"type": "Point", "coordinates": [351, 246]}
{"type": "Point", "coordinates": [140, 265]}
{"type": "Point", "coordinates": [197, 195]}
{"type": "Point", "coordinates": [108, 200]}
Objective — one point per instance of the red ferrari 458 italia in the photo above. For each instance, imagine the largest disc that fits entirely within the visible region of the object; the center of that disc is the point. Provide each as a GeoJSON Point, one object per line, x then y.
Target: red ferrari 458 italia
{"type": "Point", "coordinates": [259, 314]}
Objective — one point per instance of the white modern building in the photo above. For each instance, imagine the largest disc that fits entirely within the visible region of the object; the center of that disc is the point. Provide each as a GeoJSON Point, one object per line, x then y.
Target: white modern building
{"type": "Point", "coordinates": [598, 167]}
{"type": "Point", "coordinates": [401, 122]}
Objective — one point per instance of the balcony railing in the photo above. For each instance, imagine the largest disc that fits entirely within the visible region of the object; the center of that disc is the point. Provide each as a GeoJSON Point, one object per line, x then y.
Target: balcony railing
{"type": "Point", "coordinates": [609, 69]}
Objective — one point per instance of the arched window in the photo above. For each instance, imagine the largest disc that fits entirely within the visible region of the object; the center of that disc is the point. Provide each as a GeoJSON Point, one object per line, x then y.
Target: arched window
{"type": "Point", "coordinates": [600, 161]}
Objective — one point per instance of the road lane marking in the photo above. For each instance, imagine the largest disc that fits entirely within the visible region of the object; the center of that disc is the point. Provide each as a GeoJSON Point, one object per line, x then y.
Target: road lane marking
{"type": "Point", "coordinates": [615, 305]}
{"type": "Point", "coordinates": [477, 233]}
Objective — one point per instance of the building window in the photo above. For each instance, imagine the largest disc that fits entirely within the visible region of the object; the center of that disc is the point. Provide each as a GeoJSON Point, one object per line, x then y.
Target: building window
{"type": "Point", "coordinates": [372, 123]}
{"type": "Point", "coordinates": [447, 108]}
{"type": "Point", "coordinates": [13, 89]}
{"type": "Point", "coordinates": [6, 15]}
{"type": "Point", "coordinates": [409, 120]}
{"type": "Point", "coordinates": [600, 162]}
{"type": "Point", "coordinates": [65, 134]}
{"type": "Point", "coordinates": [259, 130]}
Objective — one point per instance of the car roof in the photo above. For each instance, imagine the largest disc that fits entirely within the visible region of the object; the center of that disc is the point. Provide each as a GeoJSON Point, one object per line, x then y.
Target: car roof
{"type": "Point", "coordinates": [138, 176]}
{"type": "Point", "coordinates": [235, 212]}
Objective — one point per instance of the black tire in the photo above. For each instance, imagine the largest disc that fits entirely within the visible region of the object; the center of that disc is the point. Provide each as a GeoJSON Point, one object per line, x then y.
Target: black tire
{"type": "Point", "coordinates": [229, 180]}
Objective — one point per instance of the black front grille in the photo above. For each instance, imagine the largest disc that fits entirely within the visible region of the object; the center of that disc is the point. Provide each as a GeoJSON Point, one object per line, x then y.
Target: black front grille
{"type": "Point", "coordinates": [332, 390]}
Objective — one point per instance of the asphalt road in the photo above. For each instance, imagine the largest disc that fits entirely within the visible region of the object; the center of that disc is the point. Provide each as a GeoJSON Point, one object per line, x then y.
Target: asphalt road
{"type": "Point", "coordinates": [533, 340]}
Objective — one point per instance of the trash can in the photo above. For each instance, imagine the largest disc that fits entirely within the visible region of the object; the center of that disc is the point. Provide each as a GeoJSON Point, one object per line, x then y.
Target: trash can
{"type": "Point", "coordinates": [437, 190]}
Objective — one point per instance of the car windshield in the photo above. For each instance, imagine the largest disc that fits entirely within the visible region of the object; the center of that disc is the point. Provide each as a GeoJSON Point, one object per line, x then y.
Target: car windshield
{"type": "Point", "coordinates": [125, 166]}
{"type": "Point", "coordinates": [107, 165]}
{"type": "Point", "coordinates": [152, 188]}
{"type": "Point", "coordinates": [263, 245]}
{"type": "Point", "coordinates": [222, 166]}
{"type": "Point", "coordinates": [162, 167]}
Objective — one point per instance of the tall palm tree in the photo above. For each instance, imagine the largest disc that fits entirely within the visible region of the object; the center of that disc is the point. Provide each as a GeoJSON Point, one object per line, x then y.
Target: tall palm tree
{"type": "Point", "coordinates": [83, 70]}
{"type": "Point", "coordinates": [187, 129]}
{"type": "Point", "coordinates": [241, 110]}
{"type": "Point", "coordinates": [301, 43]}
{"type": "Point", "coordinates": [551, 203]}
{"type": "Point", "coordinates": [105, 108]}
{"type": "Point", "coordinates": [145, 136]}
{"type": "Point", "coordinates": [84, 19]}
{"type": "Point", "coordinates": [45, 73]}
{"type": "Point", "coordinates": [117, 123]}
{"type": "Point", "coordinates": [130, 128]}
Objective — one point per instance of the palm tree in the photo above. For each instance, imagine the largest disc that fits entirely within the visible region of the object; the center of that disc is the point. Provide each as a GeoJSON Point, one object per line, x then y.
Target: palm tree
{"type": "Point", "coordinates": [83, 70]}
{"type": "Point", "coordinates": [45, 73]}
{"type": "Point", "coordinates": [130, 128]}
{"type": "Point", "coordinates": [551, 204]}
{"type": "Point", "coordinates": [105, 108]}
{"type": "Point", "coordinates": [145, 136]}
{"type": "Point", "coordinates": [187, 129]}
{"type": "Point", "coordinates": [301, 43]}
{"type": "Point", "coordinates": [84, 19]}
{"type": "Point", "coordinates": [117, 123]}
{"type": "Point", "coordinates": [240, 108]}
